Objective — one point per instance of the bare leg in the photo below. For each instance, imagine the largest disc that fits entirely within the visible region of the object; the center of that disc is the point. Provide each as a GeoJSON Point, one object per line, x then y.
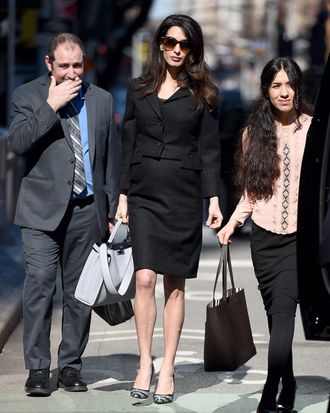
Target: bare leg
{"type": "Point", "coordinates": [145, 318]}
{"type": "Point", "coordinates": [172, 326]}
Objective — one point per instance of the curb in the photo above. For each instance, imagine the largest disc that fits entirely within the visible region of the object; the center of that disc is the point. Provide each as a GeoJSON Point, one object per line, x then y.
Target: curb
{"type": "Point", "coordinates": [12, 274]}
{"type": "Point", "coordinates": [10, 317]}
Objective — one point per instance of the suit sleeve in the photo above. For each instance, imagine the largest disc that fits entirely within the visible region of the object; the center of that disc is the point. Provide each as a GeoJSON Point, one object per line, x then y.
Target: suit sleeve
{"type": "Point", "coordinates": [210, 152]}
{"type": "Point", "coordinates": [29, 124]}
{"type": "Point", "coordinates": [128, 142]}
{"type": "Point", "coordinates": [113, 164]}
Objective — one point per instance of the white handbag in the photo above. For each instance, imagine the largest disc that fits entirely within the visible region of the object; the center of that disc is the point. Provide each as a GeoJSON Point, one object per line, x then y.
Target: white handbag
{"type": "Point", "coordinates": [108, 275]}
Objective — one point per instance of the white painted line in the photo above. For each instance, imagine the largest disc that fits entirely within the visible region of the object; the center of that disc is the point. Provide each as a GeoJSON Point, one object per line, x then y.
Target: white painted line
{"type": "Point", "coordinates": [235, 376]}
{"type": "Point", "coordinates": [158, 329]}
{"type": "Point", "coordinates": [235, 263]}
{"type": "Point", "coordinates": [183, 337]}
{"type": "Point", "coordinates": [103, 333]}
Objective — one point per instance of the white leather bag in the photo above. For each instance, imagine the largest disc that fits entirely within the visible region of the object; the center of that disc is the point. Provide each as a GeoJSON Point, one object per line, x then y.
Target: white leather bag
{"type": "Point", "coordinates": [108, 275]}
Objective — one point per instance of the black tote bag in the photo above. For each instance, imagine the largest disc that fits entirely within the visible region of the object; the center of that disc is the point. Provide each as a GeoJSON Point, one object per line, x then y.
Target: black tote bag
{"type": "Point", "coordinates": [228, 342]}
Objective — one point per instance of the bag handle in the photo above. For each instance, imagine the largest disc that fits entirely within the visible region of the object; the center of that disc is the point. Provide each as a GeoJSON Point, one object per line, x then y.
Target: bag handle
{"type": "Point", "coordinates": [124, 285]}
{"type": "Point", "coordinates": [224, 262]}
{"type": "Point", "coordinates": [112, 289]}
{"type": "Point", "coordinates": [115, 230]}
{"type": "Point", "coordinates": [227, 263]}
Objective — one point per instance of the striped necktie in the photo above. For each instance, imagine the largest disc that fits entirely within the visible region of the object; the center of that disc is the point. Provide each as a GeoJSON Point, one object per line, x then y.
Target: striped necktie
{"type": "Point", "coordinates": [79, 179]}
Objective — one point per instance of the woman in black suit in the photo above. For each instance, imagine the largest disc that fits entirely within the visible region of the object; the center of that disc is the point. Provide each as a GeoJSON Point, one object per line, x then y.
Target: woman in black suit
{"type": "Point", "coordinates": [170, 162]}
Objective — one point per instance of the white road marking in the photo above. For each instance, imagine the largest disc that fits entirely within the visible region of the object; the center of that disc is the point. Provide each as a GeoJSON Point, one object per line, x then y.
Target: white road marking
{"type": "Point", "coordinates": [213, 263]}
{"type": "Point", "coordinates": [188, 334]}
{"type": "Point", "coordinates": [234, 377]}
{"type": "Point", "coordinates": [191, 364]}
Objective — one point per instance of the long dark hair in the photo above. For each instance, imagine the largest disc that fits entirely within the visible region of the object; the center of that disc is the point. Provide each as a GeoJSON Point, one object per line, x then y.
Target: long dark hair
{"type": "Point", "coordinates": [257, 161]}
{"type": "Point", "coordinates": [195, 74]}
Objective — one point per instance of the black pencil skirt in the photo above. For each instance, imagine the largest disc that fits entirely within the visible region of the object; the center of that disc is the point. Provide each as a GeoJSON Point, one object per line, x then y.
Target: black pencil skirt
{"type": "Point", "coordinates": [275, 265]}
{"type": "Point", "coordinates": [165, 217]}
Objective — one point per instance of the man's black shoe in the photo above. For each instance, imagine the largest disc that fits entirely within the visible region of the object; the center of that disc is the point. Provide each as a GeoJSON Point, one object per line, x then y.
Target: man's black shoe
{"type": "Point", "coordinates": [70, 380]}
{"type": "Point", "coordinates": [37, 383]}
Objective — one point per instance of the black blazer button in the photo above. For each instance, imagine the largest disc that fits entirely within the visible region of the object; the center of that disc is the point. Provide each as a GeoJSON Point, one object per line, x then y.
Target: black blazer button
{"type": "Point", "coordinates": [71, 161]}
{"type": "Point", "coordinates": [69, 183]}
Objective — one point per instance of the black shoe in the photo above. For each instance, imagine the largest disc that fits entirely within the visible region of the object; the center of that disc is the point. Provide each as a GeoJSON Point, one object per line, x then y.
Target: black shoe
{"type": "Point", "coordinates": [70, 380]}
{"type": "Point", "coordinates": [266, 411]}
{"type": "Point", "coordinates": [285, 401]}
{"type": "Point", "coordinates": [137, 393]}
{"type": "Point", "coordinates": [164, 398]}
{"type": "Point", "coordinates": [37, 383]}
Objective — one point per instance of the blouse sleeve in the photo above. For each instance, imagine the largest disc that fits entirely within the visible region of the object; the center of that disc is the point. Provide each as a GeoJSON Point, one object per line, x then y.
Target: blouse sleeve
{"type": "Point", "coordinates": [128, 142]}
{"type": "Point", "coordinates": [243, 209]}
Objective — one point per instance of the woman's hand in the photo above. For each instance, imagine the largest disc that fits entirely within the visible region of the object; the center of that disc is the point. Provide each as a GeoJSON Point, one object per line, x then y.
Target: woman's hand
{"type": "Point", "coordinates": [226, 232]}
{"type": "Point", "coordinates": [215, 216]}
{"type": "Point", "coordinates": [122, 210]}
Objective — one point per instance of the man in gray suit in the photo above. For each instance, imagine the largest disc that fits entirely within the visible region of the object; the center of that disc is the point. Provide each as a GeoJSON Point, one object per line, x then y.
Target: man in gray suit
{"type": "Point", "coordinates": [63, 128]}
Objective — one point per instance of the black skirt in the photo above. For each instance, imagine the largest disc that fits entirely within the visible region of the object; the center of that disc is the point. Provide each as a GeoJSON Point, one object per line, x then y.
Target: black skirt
{"type": "Point", "coordinates": [165, 217]}
{"type": "Point", "coordinates": [274, 259]}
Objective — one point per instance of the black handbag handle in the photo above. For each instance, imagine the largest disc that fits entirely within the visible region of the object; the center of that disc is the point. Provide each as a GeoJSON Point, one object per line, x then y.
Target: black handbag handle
{"type": "Point", "coordinates": [224, 263]}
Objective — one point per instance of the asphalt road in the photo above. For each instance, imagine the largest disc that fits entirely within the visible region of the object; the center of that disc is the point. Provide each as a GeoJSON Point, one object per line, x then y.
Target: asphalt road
{"type": "Point", "coordinates": [110, 360]}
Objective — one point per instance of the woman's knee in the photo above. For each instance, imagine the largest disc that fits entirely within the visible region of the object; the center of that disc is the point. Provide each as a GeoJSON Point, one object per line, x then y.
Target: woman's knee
{"type": "Point", "coordinates": [145, 280]}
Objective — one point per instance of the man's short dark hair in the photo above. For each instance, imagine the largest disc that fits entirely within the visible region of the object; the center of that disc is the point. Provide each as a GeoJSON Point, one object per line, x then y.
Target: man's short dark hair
{"type": "Point", "coordinates": [61, 38]}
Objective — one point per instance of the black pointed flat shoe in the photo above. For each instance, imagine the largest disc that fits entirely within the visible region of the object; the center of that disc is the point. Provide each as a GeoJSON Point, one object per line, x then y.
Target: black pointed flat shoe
{"type": "Point", "coordinates": [266, 411]}
{"type": "Point", "coordinates": [286, 399]}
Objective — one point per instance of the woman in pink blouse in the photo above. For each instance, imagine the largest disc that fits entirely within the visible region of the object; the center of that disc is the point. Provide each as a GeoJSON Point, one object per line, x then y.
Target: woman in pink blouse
{"type": "Point", "coordinates": [268, 172]}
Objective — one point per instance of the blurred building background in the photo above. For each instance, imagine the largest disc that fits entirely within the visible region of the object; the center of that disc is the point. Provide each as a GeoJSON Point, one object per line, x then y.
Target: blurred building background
{"type": "Point", "coordinates": [240, 35]}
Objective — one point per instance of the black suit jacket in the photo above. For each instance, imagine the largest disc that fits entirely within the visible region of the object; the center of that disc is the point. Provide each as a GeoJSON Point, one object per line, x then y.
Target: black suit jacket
{"type": "Point", "coordinates": [172, 130]}
{"type": "Point", "coordinates": [41, 136]}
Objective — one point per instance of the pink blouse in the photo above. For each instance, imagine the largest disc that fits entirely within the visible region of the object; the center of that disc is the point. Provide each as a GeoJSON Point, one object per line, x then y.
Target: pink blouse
{"type": "Point", "coordinates": [279, 213]}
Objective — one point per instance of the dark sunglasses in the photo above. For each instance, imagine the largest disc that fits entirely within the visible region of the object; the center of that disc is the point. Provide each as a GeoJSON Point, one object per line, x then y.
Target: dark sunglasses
{"type": "Point", "coordinates": [170, 43]}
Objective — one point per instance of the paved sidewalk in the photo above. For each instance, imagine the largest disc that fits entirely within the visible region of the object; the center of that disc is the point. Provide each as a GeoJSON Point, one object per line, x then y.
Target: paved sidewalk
{"type": "Point", "coordinates": [12, 276]}
{"type": "Point", "coordinates": [110, 359]}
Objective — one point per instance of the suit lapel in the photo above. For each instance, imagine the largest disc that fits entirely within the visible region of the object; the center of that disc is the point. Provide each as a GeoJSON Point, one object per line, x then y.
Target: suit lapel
{"type": "Point", "coordinates": [152, 99]}
{"type": "Point", "coordinates": [180, 93]}
{"type": "Point", "coordinates": [90, 102]}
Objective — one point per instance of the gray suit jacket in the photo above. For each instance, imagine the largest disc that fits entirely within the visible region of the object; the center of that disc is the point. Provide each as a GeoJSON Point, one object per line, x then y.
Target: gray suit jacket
{"type": "Point", "coordinates": [41, 136]}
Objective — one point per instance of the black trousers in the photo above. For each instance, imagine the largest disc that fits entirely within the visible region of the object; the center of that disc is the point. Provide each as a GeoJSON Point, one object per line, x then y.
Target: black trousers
{"type": "Point", "coordinates": [64, 250]}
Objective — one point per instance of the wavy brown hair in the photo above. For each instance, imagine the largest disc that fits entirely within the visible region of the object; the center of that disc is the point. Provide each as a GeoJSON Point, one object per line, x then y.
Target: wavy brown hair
{"type": "Point", "coordinates": [257, 161]}
{"type": "Point", "coordinates": [194, 74]}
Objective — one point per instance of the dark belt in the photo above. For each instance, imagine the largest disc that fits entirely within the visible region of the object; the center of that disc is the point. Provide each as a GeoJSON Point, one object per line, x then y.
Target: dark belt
{"type": "Point", "coordinates": [81, 202]}
{"type": "Point", "coordinates": [166, 152]}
